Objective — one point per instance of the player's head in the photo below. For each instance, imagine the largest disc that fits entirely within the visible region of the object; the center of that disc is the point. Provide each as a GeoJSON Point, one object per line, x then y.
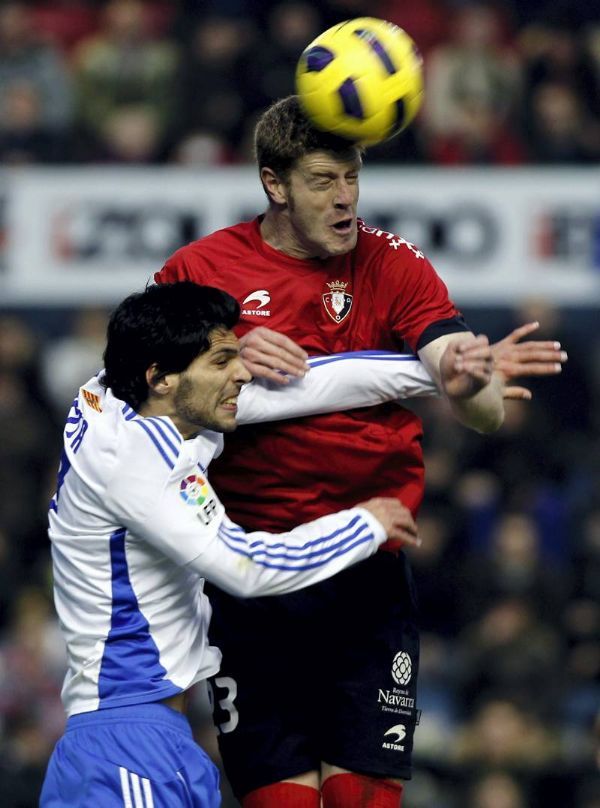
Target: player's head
{"type": "Point", "coordinates": [311, 180]}
{"type": "Point", "coordinates": [171, 348]}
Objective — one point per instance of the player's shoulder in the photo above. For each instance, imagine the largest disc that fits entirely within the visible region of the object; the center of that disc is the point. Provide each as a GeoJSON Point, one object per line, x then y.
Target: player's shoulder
{"type": "Point", "coordinates": [232, 241]}
{"type": "Point", "coordinates": [113, 433]}
{"type": "Point", "coordinates": [374, 241]}
{"type": "Point", "coordinates": [151, 442]}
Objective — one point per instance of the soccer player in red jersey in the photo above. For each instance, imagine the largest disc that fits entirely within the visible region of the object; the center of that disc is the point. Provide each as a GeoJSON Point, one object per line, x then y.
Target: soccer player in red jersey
{"type": "Point", "coordinates": [316, 698]}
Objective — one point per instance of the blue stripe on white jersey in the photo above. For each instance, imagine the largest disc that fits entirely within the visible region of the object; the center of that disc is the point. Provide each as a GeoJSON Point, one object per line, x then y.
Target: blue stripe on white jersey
{"type": "Point", "coordinates": [63, 468]}
{"type": "Point", "coordinates": [299, 557]}
{"type": "Point", "coordinates": [390, 356]}
{"type": "Point", "coordinates": [129, 413]}
{"type": "Point", "coordinates": [130, 662]}
{"type": "Point", "coordinates": [156, 429]}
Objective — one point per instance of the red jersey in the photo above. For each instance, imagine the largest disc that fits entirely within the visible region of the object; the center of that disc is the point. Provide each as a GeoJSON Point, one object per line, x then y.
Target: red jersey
{"type": "Point", "coordinates": [383, 295]}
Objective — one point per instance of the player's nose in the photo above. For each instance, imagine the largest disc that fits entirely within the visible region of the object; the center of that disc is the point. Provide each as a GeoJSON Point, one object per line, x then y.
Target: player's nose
{"type": "Point", "coordinates": [345, 194]}
{"type": "Point", "coordinates": [241, 374]}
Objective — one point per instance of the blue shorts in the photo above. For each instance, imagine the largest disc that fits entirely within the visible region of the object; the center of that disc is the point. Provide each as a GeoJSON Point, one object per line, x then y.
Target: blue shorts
{"type": "Point", "coordinates": [132, 757]}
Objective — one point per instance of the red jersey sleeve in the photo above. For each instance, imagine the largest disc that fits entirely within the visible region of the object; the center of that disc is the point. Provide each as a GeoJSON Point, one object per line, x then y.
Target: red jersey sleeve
{"type": "Point", "coordinates": [186, 264]}
{"type": "Point", "coordinates": [419, 296]}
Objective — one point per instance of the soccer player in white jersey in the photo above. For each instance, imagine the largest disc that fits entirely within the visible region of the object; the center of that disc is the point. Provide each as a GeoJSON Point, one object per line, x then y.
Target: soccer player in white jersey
{"type": "Point", "coordinates": [135, 528]}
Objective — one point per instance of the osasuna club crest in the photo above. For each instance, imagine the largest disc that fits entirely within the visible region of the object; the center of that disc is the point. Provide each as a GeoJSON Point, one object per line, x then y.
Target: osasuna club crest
{"type": "Point", "coordinates": [337, 303]}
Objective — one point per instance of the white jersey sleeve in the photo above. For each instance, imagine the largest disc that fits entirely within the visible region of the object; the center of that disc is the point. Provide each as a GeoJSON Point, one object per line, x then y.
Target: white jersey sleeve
{"type": "Point", "coordinates": [173, 507]}
{"type": "Point", "coordinates": [338, 382]}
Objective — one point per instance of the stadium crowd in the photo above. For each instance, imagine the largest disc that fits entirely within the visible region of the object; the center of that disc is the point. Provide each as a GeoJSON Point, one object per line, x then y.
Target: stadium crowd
{"type": "Point", "coordinates": [509, 570]}
{"type": "Point", "coordinates": [151, 81]}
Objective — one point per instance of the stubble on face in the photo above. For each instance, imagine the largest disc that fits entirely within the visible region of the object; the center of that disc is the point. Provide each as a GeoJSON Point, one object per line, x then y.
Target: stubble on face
{"type": "Point", "coordinates": [322, 197]}
{"type": "Point", "coordinates": [207, 391]}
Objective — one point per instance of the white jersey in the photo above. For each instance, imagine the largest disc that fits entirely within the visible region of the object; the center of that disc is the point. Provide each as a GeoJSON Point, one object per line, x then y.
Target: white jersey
{"type": "Point", "coordinates": [135, 528]}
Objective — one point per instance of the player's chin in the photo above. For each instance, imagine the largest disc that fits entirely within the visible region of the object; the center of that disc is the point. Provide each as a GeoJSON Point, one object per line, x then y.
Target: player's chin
{"type": "Point", "coordinates": [228, 423]}
{"type": "Point", "coordinates": [341, 242]}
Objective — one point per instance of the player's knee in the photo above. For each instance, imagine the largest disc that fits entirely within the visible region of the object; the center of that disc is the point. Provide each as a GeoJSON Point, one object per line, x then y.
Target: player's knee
{"type": "Point", "coordinates": [349, 790]}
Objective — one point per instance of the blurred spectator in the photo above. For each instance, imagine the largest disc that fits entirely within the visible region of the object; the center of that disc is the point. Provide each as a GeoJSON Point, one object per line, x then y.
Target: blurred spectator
{"type": "Point", "coordinates": [513, 567]}
{"type": "Point", "coordinates": [26, 444]}
{"type": "Point", "coordinates": [558, 130]}
{"type": "Point", "coordinates": [510, 654]}
{"type": "Point", "coordinates": [581, 627]}
{"type": "Point", "coordinates": [555, 53]}
{"type": "Point", "coordinates": [502, 735]}
{"type": "Point", "coordinates": [497, 790]}
{"type": "Point", "coordinates": [434, 566]}
{"type": "Point", "coordinates": [9, 577]}
{"type": "Point", "coordinates": [554, 405]}
{"type": "Point", "coordinates": [71, 361]}
{"type": "Point", "coordinates": [269, 70]}
{"type": "Point", "coordinates": [64, 22]}
{"type": "Point", "coordinates": [480, 137]}
{"type": "Point", "coordinates": [212, 77]}
{"type": "Point", "coordinates": [426, 22]}
{"type": "Point", "coordinates": [127, 93]}
{"type": "Point", "coordinates": [35, 91]}
{"type": "Point", "coordinates": [32, 662]}
{"type": "Point", "coordinates": [474, 70]}
{"type": "Point", "coordinates": [202, 149]}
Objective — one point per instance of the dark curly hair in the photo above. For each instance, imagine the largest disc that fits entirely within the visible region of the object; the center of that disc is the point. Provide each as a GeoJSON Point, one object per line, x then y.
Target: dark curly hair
{"type": "Point", "coordinates": [284, 134]}
{"type": "Point", "coordinates": [169, 325]}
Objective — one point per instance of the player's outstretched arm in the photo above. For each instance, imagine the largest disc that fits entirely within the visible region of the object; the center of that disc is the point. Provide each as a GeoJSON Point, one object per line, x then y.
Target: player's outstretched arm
{"type": "Point", "coordinates": [514, 359]}
{"type": "Point", "coordinates": [338, 382]}
{"type": "Point", "coordinates": [463, 366]}
{"type": "Point", "coordinates": [260, 563]}
{"type": "Point", "coordinates": [163, 500]}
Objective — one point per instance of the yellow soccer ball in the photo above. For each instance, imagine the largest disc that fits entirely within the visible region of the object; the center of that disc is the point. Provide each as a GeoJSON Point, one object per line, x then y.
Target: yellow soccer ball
{"type": "Point", "coordinates": [361, 79]}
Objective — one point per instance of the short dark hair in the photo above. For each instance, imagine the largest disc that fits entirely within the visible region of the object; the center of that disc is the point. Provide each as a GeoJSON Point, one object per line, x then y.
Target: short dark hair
{"type": "Point", "coordinates": [168, 324]}
{"type": "Point", "coordinates": [284, 134]}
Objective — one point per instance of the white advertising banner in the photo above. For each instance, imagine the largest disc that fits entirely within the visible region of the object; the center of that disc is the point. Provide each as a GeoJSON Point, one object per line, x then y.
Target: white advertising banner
{"type": "Point", "coordinates": [496, 236]}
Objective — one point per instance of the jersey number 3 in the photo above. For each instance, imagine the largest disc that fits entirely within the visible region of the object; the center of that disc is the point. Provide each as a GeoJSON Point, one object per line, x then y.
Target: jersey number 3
{"type": "Point", "coordinates": [226, 706]}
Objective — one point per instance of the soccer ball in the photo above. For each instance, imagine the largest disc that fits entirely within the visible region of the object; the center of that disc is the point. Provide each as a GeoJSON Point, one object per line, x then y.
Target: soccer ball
{"type": "Point", "coordinates": [361, 79]}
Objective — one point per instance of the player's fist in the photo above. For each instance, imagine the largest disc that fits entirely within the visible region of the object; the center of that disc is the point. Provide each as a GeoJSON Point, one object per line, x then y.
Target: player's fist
{"type": "Point", "coordinates": [396, 519]}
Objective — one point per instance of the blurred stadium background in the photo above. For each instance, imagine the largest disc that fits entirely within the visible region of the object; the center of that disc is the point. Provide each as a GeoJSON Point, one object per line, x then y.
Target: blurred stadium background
{"type": "Point", "coordinates": [125, 131]}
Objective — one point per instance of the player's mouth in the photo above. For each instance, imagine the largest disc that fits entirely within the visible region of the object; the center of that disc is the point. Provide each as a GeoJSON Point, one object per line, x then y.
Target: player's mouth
{"type": "Point", "coordinates": [344, 226]}
{"type": "Point", "coordinates": [230, 404]}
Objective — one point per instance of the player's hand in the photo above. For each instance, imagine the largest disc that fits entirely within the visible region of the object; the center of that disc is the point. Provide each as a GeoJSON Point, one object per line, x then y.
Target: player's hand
{"type": "Point", "coordinates": [270, 355]}
{"type": "Point", "coordinates": [466, 366]}
{"type": "Point", "coordinates": [396, 519]}
{"type": "Point", "coordinates": [513, 358]}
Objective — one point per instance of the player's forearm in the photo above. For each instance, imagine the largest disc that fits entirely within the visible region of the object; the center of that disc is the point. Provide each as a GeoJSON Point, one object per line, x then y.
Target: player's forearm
{"type": "Point", "coordinates": [260, 563]}
{"type": "Point", "coordinates": [339, 382]}
{"type": "Point", "coordinates": [484, 411]}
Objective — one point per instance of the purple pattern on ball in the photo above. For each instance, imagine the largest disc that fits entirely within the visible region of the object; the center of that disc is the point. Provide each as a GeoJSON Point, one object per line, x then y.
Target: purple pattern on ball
{"type": "Point", "coordinates": [377, 49]}
{"type": "Point", "coordinates": [350, 100]}
{"type": "Point", "coordinates": [398, 124]}
{"type": "Point", "coordinates": [318, 58]}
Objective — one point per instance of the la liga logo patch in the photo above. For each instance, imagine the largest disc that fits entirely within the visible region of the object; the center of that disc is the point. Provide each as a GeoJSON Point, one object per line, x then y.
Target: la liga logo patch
{"type": "Point", "coordinates": [193, 490]}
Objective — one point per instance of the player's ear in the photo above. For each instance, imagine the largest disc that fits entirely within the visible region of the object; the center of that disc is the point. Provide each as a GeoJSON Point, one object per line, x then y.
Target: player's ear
{"type": "Point", "coordinates": [274, 186]}
{"type": "Point", "coordinates": [158, 382]}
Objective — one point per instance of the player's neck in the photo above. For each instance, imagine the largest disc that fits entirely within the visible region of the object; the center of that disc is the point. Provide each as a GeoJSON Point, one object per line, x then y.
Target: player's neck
{"type": "Point", "coordinates": [155, 407]}
{"type": "Point", "coordinates": [277, 232]}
